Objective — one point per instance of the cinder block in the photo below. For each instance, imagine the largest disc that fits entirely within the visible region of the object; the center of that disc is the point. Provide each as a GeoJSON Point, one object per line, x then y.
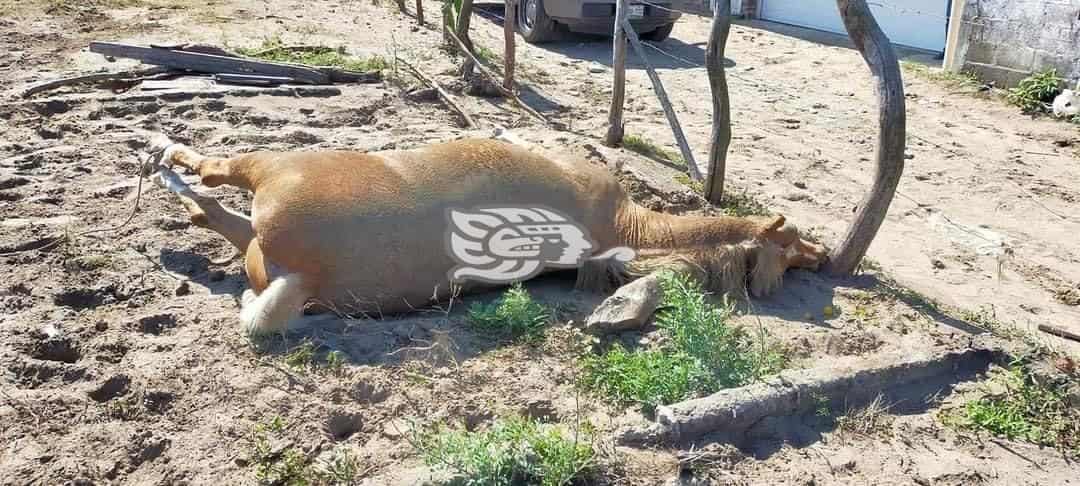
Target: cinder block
{"type": "Point", "coordinates": [1002, 77]}
{"type": "Point", "coordinates": [1015, 57]}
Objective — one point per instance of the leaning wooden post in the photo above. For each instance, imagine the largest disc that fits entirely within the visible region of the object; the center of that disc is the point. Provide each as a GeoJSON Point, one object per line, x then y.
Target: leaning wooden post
{"type": "Point", "coordinates": [618, 87]}
{"type": "Point", "coordinates": [419, 12]}
{"type": "Point", "coordinates": [509, 47]}
{"type": "Point", "coordinates": [401, 6]}
{"type": "Point", "coordinates": [462, 28]}
{"type": "Point", "coordinates": [878, 53]}
{"type": "Point", "coordinates": [658, 87]}
{"type": "Point", "coordinates": [721, 114]}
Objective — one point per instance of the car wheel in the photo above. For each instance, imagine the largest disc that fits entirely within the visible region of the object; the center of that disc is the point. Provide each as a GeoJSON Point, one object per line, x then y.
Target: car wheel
{"type": "Point", "coordinates": [660, 33]}
{"type": "Point", "coordinates": [533, 22]}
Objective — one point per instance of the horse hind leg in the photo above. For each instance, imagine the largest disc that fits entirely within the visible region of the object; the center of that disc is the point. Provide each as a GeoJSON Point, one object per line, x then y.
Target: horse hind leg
{"type": "Point", "coordinates": [207, 212]}
{"type": "Point", "coordinates": [213, 171]}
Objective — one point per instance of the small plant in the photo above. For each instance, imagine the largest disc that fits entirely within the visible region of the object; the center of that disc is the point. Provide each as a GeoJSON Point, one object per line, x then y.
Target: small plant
{"type": "Point", "coordinates": [696, 186]}
{"type": "Point", "coordinates": [340, 468]}
{"type": "Point", "coordinates": [1026, 410]}
{"type": "Point", "coordinates": [288, 466]}
{"type": "Point", "coordinates": [871, 419]}
{"type": "Point", "coordinates": [702, 354]}
{"type": "Point", "coordinates": [650, 149]}
{"type": "Point", "coordinates": [1033, 92]}
{"type": "Point", "coordinates": [335, 361]}
{"type": "Point", "coordinates": [514, 315]}
{"type": "Point", "coordinates": [742, 204]}
{"type": "Point", "coordinates": [273, 49]}
{"type": "Point", "coordinates": [821, 405]}
{"type": "Point", "coordinates": [302, 356]}
{"type": "Point", "coordinates": [512, 451]}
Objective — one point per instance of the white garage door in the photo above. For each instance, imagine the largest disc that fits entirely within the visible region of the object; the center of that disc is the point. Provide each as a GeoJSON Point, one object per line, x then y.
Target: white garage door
{"type": "Point", "coordinates": [914, 23]}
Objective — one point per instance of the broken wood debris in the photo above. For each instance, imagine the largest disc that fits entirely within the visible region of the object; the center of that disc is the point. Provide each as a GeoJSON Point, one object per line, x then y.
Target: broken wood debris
{"type": "Point", "coordinates": [205, 59]}
{"type": "Point", "coordinates": [132, 76]}
{"type": "Point", "coordinates": [428, 80]}
{"type": "Point", "coordinates": [209, 63]}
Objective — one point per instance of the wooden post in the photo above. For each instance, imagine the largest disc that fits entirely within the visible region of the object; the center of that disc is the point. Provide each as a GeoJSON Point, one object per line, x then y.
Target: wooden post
{"type": "Point", "coordinates": [721, 105]}
{"type": "Point", "coordinates": [952, 62]}
{"type": "Point", "coordinates": [401, 6]}
{"type": "Point", "coordinates": [462, 27]}
{"type": "Point", "coordinates": [879, 55]}
{"type": "Point", "coordinates": [618, 87]}
{"type": "Point", "coordinates": [658, 87]}
{"type": "Point", "coordinates": [419, 12]}
{"type": "Point", "coordinates": [509, 47]}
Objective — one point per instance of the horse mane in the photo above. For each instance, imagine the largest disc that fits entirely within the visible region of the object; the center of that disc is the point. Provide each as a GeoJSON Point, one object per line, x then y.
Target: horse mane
{"type": "Point", "coordinates": [726, 269]}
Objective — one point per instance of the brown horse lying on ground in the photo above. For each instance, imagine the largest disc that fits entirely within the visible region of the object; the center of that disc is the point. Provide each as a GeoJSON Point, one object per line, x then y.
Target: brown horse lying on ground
{"type": "Point", "coordinates": [391, 231]}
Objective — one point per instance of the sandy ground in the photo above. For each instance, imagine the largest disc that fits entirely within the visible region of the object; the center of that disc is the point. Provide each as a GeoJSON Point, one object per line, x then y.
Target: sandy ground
{"type": "Point", "coordinates": [121, 359]}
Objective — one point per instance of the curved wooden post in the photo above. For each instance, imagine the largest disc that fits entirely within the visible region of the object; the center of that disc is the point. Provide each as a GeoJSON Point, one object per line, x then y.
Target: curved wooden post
{"type": "Point", "coordinates": [618, 88]}
{"type": "Point", "coordinates": [892, 133]}
{"type": "Point", "coordinates": [721, 114]}
{"type": "Point", "coordinates": [462, 28]}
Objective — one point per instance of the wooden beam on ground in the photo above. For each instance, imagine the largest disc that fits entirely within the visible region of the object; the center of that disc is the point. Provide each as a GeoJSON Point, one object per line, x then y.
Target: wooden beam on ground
{"type": "Point", "coordinates": [207, 63]}
{"type": "Point", "coordinates": [428, 80]}
{"type": "Point", "coordinates": [1059, 332]}
{"type": "Point", "coordinates": [879, 55]}
{"type": "Point", "coordinates": [953, 63]}
{"type": "Point", "coordinates": [665, 103]}
{"type": "Point", "coordinates": [494, 81]}
{"type": "Point", "coordinates": [132, 75]}
{"type": "Point", "coordinates": [721, 103]}
{"type": "Point", "coordinates": [614, 135]}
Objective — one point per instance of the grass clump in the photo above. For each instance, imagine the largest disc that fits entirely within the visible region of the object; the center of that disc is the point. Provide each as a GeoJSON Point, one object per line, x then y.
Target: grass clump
{"type": "Point", "coordinates": [742, 204]}
{"type": "Point", "coordinates": [512, 451]}
{"type": "Point", "coordinates": [289, 465]}
{"type": "Point", "coordinates": [305, 357]}
{"type": "Point", "coordinates": [515, 315]}
{"type": "Point", "coordinates": [960, 80]}
{"type": "Point", "coordinates": [650, 149]}
{"type": "Point", "coordinates": [273, 49]}
{"type": "Point", "coordinates": [702, 353]}
{"type": "Point", "coordinates": [1025, 409]}
{"type": "Point", "coordinates": [1035, 91]}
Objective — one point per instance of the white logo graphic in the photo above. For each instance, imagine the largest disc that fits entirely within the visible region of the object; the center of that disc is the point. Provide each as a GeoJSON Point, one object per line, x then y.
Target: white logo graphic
{"type": "Point", "coordinates": [510, 244]}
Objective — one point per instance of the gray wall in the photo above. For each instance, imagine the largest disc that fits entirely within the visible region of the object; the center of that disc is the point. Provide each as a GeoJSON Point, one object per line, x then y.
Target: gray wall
{"type": "Point", "coordinates": [1007, 40]}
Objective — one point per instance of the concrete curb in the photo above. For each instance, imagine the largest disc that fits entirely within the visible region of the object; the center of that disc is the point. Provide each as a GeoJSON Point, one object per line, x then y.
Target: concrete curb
{"type": "Point", "coordinates": [734, 411]}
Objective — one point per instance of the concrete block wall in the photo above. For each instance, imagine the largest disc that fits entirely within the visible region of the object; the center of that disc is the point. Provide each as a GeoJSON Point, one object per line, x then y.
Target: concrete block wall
{"type": "Point", "coordinates": [1006, 40]}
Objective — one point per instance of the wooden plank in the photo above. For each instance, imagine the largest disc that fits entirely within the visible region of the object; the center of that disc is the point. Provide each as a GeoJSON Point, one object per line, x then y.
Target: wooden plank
{"type": "Point", "coordinates": [1059, 332]}
{"type": "Point", "coordinates": [252, 79]}
{"type": "Point", "coordinates": [952, 63]}
{"type": "Point", "coordinates": [207, 63]}
{"type": "Point", "coordinates": [665, 103]}
{"type": "Point", "coordinates": [133, 76]}
{"type": "Point", "coordinates": [618, 86]}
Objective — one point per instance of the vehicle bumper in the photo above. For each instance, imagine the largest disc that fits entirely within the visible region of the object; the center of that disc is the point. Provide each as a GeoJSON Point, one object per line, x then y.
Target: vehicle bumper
{"type": "Point", "coordinates": [599, 16]}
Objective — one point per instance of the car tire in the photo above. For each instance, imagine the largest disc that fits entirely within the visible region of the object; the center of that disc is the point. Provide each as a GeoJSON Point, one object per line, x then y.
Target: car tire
{"type": "Point", "coordinates": [660, 33]}
{"type": "Point", "coordinates": [533, 22]}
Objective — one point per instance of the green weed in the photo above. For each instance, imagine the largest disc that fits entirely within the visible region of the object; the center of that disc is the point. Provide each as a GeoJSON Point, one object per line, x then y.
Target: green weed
{"type": "Point", "coordinates": [273, 49]}
{"type": "Point", "coordinates": [949, 79]}
{"type": "Point", "coordinates": [288, 466]}
{"type": "Point", "coordinates": [1034, 91]}
{"type": "Point", "coordinates": [515, 315]}
{"type": "Point", "coordinates": [742, 204]}
{"type": "Point", "coordinates": [650, 149]}
{"type": "Point", "coordinates": [702, 354]}
{"type": "Point", "coordinates": [1027, 410]}
{"type": "Point", "coordinates": [512, 451]}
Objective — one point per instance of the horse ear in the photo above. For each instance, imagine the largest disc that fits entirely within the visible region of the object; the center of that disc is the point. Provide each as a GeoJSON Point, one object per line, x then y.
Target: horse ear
{"type": "Point", "coordinates": [776, 223]}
